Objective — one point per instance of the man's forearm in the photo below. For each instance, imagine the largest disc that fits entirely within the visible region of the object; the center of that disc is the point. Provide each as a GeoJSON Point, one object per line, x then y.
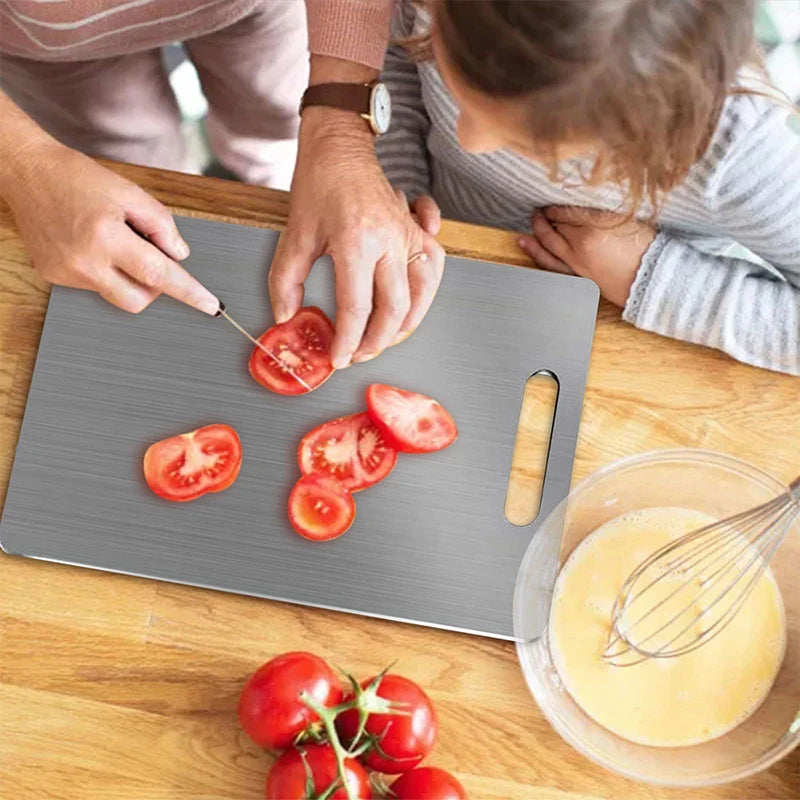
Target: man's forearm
{"type": "Point", "coordinates": [327, 69]}
{"type": "Point", "coordinates": [325, 122]}
{"type": "Point", "coordinates": [347, 41]}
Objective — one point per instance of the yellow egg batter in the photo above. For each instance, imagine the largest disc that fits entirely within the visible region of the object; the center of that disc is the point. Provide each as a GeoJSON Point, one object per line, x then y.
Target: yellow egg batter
{"type": "Point", "coordinates": [663, 702]}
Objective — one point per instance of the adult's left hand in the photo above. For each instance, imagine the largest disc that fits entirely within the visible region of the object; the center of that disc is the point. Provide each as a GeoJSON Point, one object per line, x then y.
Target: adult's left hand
{"type": "Point", "coordinates": [342, 205]}
{"type": "Point", "coordinates": [593, 244]}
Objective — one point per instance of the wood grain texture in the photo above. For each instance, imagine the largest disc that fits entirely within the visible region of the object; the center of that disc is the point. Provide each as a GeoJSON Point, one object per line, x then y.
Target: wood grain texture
{"type": "Point", "coordinates": [531, 448]}
{"type": "Point", "coordinates": [114, 687]}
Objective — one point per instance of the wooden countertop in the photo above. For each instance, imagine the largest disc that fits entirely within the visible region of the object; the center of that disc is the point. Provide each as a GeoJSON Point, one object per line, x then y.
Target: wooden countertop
{"type": "Point", "coordinates": [114, 687]}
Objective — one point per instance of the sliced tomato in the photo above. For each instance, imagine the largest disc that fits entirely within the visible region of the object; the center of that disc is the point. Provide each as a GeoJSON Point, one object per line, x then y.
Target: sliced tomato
{"type": "Point", "coordinates": [186, 466]}
{"type": "Point", "coordinates": [302, 346]}
{"type": "Point", "coordinates": [351, 449]}
{"type": "Point", "coordinates": [410, 422]}
{"type": "Point", "coordinates": [320, 508]}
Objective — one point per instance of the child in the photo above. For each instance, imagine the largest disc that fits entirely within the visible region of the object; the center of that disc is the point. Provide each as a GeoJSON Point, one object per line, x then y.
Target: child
{"type": "Point", "coordinates": [622, 137]}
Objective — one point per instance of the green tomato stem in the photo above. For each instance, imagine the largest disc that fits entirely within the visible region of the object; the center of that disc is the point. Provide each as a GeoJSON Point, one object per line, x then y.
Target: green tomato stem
{"type": "Point", "coordinates": [328, 716]}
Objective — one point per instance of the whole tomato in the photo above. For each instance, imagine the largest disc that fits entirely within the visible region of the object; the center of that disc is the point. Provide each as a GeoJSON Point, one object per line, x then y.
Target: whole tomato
{"type": "Point", "coordinates": [404, 739]}
{"type": "Point", "coordinates": [270, 709]}
{"type": "Point", "coordinates": [291, 779]}
{"type": "Point", "coordinates": [428, 783]}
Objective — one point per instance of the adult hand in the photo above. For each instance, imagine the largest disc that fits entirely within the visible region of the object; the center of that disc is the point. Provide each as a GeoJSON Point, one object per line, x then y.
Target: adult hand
{"type": "Point", "coordinates": [77, 220]}
{"type": "Point", "coordinates": [425, 211]}
{"type": "Point", "coordinates": [342, 205]}
{"type": "Point", "coordinates": [593, 244]}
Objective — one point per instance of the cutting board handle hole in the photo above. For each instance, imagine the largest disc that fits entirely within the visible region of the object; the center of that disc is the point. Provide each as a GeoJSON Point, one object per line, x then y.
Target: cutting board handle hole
{"type": "Point", "coordinates": [532, 445]}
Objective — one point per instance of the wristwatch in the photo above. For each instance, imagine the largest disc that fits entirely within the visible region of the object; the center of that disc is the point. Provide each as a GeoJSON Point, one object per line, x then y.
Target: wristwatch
{"type": "Point", "coordinates": [370, 100]}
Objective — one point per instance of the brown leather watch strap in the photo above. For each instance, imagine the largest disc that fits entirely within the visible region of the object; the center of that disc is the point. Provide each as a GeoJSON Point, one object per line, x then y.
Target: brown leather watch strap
{"type": "Point", "coordinates": [347, 96]}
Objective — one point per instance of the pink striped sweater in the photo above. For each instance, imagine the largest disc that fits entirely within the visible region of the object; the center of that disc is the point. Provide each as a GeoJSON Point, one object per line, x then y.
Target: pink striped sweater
{"type": "Point", "coordinates": [80, 30]}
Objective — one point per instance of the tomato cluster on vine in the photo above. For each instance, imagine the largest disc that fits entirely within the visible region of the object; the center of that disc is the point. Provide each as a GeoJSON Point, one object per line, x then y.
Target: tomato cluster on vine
{"type": "Point", "coordinates": [340, 743]}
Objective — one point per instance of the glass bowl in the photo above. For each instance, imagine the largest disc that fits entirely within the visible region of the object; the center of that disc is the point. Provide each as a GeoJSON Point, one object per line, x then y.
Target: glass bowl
{"type": "Point", "coordinates": [717, 485]}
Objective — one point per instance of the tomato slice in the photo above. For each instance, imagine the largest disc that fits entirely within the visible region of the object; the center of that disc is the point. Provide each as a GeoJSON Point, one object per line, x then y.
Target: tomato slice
{"type": "Point", "coordinates": [410, 422]}
{"type": "Point", "coordinates": [320, 508]}
{"type": "Point", "coordinates": [350, 449]}
{"type": "Point", "coordinates": [186, 466]}
{"type": "Point", "coordinates": [302, 345]}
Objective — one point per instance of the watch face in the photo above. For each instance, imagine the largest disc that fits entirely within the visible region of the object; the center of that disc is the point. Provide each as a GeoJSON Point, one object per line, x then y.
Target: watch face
{"type": "Point", "coordinates": [381, 103]}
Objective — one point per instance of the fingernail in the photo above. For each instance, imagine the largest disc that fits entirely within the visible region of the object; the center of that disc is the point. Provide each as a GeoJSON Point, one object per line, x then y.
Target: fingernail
{"type": "Point", "coordinates": [207, 303]}
{"type": "Point", "coordinates": [342, 362]}
{"type": "Point", "coordinates": [522, 243]}
{"type": "Point", "coordinates": [401, 337]}
{"type": "Point", "coordinates": [182, 248]}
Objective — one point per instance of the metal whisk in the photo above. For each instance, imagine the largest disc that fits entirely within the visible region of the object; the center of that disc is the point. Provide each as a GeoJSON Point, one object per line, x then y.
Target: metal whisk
{"type": "Point", "coordinates": [685, 593]}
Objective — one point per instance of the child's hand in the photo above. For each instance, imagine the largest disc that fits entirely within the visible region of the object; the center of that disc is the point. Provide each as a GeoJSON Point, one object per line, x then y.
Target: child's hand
{"type": "Point", "coordinates": [75, 216]}
{"type": "Point", "coordinates": [578, 241]}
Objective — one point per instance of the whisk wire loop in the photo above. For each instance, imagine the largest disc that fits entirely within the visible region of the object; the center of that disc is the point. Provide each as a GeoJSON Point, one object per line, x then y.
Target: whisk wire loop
{"type": "Point", "coordinates": [624, 601]}
{"type": "Point", "coordinates": [727, 558]}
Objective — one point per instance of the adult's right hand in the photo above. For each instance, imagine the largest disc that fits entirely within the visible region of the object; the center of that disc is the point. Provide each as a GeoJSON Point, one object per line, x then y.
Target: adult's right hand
{"type": "Point", "coordinates": [342, 205]}
{"type": "Point", "coordinates": [77, 220]}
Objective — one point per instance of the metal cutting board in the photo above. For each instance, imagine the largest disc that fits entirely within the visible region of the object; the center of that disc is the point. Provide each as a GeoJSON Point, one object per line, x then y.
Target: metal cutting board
{"type": "Point", "coordinates": [430, 544]}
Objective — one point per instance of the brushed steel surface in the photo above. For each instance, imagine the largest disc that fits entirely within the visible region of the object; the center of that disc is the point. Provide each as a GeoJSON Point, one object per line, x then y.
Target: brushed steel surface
{"type": "Point", "coordinates": [429, 545]}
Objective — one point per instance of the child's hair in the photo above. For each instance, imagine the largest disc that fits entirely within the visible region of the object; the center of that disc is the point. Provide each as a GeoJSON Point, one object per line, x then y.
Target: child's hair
{"type": "Point", "coordinates": [646, 79]}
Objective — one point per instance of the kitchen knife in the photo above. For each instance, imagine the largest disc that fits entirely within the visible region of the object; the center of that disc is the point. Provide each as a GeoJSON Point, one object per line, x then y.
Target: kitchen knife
{"type": "Point", "coordinates": [221, 312]}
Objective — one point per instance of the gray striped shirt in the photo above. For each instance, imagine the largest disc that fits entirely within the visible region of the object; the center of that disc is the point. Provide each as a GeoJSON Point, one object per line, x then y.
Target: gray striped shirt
{"type": "Point", "coordinates": [724, 269]}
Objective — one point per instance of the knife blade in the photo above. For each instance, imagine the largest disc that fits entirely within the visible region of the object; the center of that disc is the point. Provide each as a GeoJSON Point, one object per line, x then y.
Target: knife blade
{"type": "Point", "coordinates": [222, 312]}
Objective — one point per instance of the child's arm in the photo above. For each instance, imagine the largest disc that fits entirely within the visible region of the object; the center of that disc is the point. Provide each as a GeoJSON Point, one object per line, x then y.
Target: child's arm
{"type": "Point", "coordinates": [403, 151]}
{"type": "Point", "coordinates": [749, 311]}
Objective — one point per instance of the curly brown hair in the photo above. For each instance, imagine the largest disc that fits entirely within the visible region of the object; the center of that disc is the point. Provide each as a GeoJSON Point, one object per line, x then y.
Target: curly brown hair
{"type": "Point", "coordinates": [646, 79]}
